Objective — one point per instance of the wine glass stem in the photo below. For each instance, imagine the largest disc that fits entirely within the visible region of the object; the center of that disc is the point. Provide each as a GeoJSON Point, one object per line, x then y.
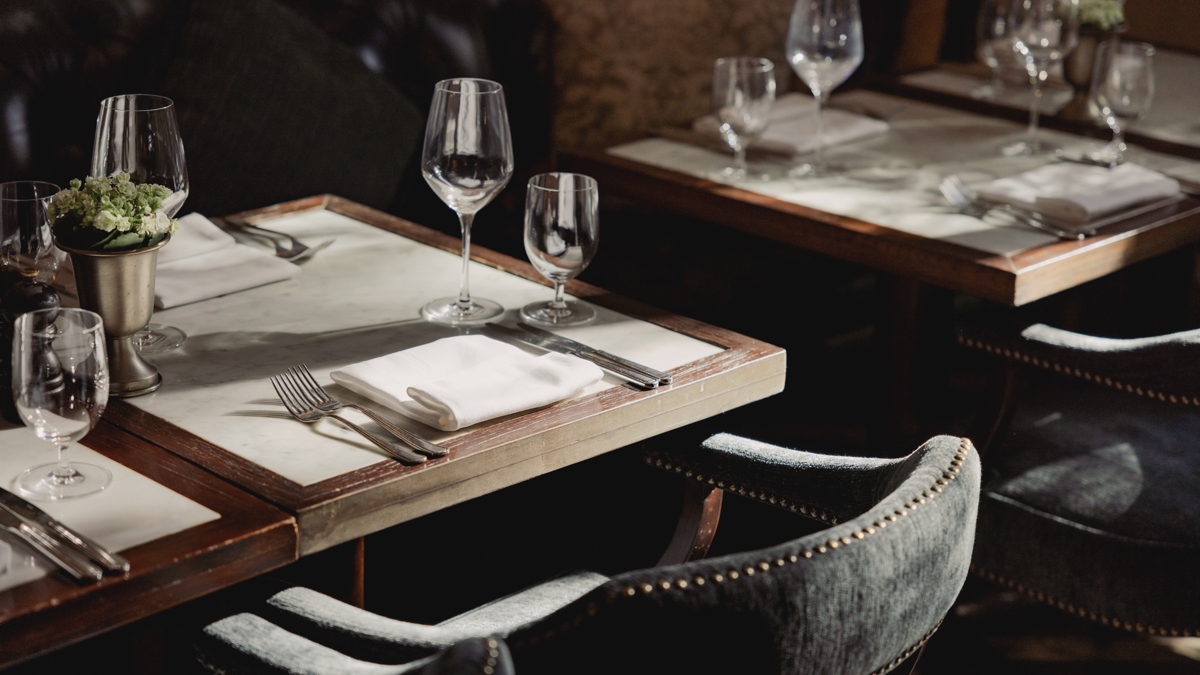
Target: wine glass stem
{"type": "Point", "coordinates": [1035, 107]}
{"type": "Point", "coordinates": [822, 98]}
{"type": "Point", "coordinates": [464, 292]}
{"type": "Point", "coordinates": [64, 473]}
{"type": "Point", "coordinates": [739, 160]}
{"type": "Point", "coordinates": [559, 301]}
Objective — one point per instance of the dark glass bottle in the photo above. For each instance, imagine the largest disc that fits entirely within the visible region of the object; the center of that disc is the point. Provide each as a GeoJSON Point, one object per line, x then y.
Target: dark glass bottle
{"type": "Point", "coordinates": [23, 296]}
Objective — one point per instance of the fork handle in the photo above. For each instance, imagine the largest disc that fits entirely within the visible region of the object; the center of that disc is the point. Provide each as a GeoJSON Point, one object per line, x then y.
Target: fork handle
{"type": "Point", "coordinates": [399, 453]}
{"type": "Point", "coordinates": [431, 449]}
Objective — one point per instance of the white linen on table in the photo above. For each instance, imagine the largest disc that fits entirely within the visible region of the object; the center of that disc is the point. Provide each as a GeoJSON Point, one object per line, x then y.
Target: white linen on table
{"type": "Point", "coordinates": [1077, 193]}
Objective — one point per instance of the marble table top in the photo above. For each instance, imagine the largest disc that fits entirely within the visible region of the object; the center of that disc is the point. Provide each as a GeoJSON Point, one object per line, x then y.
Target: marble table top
{"type": "Point", "coordinates": [130, 512]}
{"type": "Point", "coordinates": [893, 179]}
{"type": "Point", "coordinates": [357, 299]}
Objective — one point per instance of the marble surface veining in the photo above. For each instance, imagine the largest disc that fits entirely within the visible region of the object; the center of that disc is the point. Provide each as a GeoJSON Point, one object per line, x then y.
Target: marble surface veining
{"type": "Point", "coordinates": [357, 299]}
{"type": "Point", "coordinates": [893, 179]}
{"type": "Point", "coordinates": [131, 511]}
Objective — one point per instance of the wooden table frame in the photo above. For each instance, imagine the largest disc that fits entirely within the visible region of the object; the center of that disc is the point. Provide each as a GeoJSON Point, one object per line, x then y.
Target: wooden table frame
{"type": "Point", "coordinates": [1006, 279]}
{"type": "Point", "coordinates": [250, 538]}
{"type": "Point", "coordinates": [367, 500]}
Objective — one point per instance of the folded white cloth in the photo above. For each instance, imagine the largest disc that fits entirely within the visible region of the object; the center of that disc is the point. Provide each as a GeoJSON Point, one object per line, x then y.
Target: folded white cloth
{"type": "Point", "coordinates": [1077, 193]}
{"type": "Point", "coordinates": [794, 125]}
{"type": "Point", "coordinates": [203, 261]}
{"type": "Point", "coordinates": [459, 381]}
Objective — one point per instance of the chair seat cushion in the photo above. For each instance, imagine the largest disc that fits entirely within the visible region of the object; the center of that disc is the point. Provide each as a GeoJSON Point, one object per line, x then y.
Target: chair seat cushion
{"type": "Point", "coordinates": [1090, 502]}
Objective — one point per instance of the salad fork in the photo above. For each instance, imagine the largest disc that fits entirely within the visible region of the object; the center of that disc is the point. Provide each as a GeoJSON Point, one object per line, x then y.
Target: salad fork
{"type": "Point", "coordinates": [316, 396]}
{"type": "Point", "coordinates": [291, 250]}
{"type": "Point", "coordinates": [310, 415]}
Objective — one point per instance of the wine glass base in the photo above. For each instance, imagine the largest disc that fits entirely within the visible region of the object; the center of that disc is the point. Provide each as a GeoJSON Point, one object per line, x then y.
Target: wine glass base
{"type": "Point", "coordinates": [446, 311]}
{"type": "Point", "coordinates": [1028, 148]}
{"type": "Point", "coordinates": [156, 338]}
{"type": "Point", "coordinates": [41, 483]}
{"type": "Point", "coordinates": [751, 174]}
{"type": "Point", "coordinates": [575, 313]}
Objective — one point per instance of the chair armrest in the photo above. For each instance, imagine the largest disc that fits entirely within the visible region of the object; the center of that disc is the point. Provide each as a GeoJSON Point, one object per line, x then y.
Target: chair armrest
{"type": "Point", "coordinates": [1166, 367]}
{"type": "Point", "coordinates": [829, 488]}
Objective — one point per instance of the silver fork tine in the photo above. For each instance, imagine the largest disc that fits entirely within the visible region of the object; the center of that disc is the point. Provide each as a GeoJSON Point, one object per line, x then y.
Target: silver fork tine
{"type": "Point", "coordinates": [287, 402]}
{"type": "Point", "coordinates": [306, 392]}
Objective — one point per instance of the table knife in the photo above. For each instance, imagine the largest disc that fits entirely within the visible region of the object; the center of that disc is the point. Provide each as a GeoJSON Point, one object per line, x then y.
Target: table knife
{"type": "Point", "coordinates": [588, 353]}
{"type": "Point", "coordinates": [72, 562]}
{"type": "Point", "coordinates": [633, 376]}
{"type": "Point", "coordinates": [95, 552]}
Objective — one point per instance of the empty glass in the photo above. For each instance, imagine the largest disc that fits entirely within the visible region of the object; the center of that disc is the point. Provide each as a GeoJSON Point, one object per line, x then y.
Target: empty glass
{"type": "Point", "coordinates": [60, 387]}
{"type": "Point", "coordinates": [26, 243]}
{"type": "Point", "coordinates": [824, 47]}
{"type": "Point", "coordinates": [743, 93]}
{"type": "Point", "coordinates": [992, 46]}
{"type": "Point", "coordinates": [562, 231]}
{"type": "Point", "coordinates": [137, 134]}
{"type": "Point", "coordinates": [1042, 32]}
{"type": "Point", "coordinates": [1122, 88]}
{"type": "Point", "coordinates": [467, 159]}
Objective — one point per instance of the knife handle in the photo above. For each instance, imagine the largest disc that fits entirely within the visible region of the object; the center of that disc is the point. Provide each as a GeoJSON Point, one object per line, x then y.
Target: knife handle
{"type": "Point", "coordinates": [74, 563]}
{"type": "Point", "coordinates": [108, 560]}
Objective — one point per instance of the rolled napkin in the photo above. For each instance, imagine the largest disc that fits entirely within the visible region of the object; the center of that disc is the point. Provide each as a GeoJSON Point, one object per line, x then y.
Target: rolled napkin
{"type": "Point", "coordinates": [1077, 193]}
{"type": "Point", "coordinates": [459, 381]}
{"type": "Point", "coordinates": [203, 261]}
{"type": "Point", "coordinates": [794, 125]}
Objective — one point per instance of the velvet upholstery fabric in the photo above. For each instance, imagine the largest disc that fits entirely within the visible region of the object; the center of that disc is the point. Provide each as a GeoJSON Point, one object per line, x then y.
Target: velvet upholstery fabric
{"type": "Point", "coordinates": [858, 597]}
{"type": "Point", "coordinates": [1090, 498]}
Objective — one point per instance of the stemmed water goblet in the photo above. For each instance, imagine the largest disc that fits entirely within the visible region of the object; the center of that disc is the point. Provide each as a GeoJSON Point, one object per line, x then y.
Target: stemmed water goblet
{"type": "Point", "coordinates": [992, 46]}
{"type": "Point", "coordinates": [467, 159]}
{"type": "Point", "coordinates": [824, 47]}
{"type": "Point", "coordinates": [60, 387]}
{"type": "Point", "coordinates": [26, 243]}
{"type": "Point", "coordinates": [743, 93]}
{"type": "Point", "coordinates": [1042, 33]}
{"type": "Point", "coordinates": [1122, 88]}
{"type": "Point", "coordinates": [138, 134]}
{"type": "Point", "coordinates": [562, 231]}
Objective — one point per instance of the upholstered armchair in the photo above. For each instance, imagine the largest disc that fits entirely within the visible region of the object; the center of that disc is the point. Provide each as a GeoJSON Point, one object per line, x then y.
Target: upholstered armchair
{"type": "Point", "coordinates": [1091, 497]}
{"type": "Point", "coordinates": [860, 596]}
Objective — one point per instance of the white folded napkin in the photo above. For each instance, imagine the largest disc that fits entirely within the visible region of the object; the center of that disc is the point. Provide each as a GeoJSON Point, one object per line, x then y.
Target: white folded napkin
{"type": "Point", "coordinates": [459, 381]}
{"type": "Point", "coordinates": [794, 125]}
{"type": "Point", "coordinates": [1076, 193]}
{"type": "Point", "coordinates": [203, 261]}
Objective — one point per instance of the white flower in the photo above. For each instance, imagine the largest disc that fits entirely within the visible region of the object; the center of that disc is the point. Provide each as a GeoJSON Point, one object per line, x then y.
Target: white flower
{"type": "Point", "coordinates": [107, 221]}
{"type": "Point", "coordinates": [155, 223]}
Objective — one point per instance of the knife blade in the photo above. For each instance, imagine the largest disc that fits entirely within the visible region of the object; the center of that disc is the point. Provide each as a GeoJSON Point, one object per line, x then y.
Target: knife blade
{"type": "Point", "coordinates": [72, 562]}
{"type": "Point", "coordinates": [89, 548]}
{"type": "Point", "coordinates": [587, 352]}
{"type": "Point", "coordinates": [632, 376]}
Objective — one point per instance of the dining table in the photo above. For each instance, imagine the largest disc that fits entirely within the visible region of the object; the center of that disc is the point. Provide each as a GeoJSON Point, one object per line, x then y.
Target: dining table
{"type": "Point", "coordinates": [215, 483]}
{"type": "Point", "coordinates": [886, 212]}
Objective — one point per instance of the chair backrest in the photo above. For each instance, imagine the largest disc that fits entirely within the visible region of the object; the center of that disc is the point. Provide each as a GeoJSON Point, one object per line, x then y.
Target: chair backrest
{"type": "Point", "coordinates": [858, 597]}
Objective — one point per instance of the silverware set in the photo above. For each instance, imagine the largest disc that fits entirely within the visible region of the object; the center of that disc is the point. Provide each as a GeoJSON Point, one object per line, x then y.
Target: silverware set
{"type": "Point", "coordinates": [308, 402]}
{"type": "Point", "coordinates": [965, 201]}
{"type": "Point", "coordinates": [630, 371]}
{"type": "Point", "coordinates": [79, 556]}
{"type": "Point", "coordinates": [286, 246]}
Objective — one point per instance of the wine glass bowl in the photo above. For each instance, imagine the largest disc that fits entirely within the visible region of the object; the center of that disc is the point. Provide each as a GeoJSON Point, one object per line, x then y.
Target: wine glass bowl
{"type": "Point", "coordinates": [26, 242]}
{"type": "Point", "coordinates": [138, 134]}
{"type": "Point", "coordinates": [1042, 32]}
{"type": "Point", "coordinates": [60, 387]}
{"type": "Point", "coordinates": [467, 159]}
{"type": "Point", "coordinates": [992, 46]}
{"type": "Point", "coordinates": [1122, 89]}
{"type": "Point", "coordinates": [562, 232]}
{"type": "Point", "coordinates": [743, 93]}
{"type": "Point", "coordinates": [824, 47]}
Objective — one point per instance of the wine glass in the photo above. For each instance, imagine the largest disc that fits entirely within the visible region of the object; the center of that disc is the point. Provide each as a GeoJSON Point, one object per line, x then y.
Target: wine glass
{"type": "Point", "coordinates": [137, 134]}
{"type": "Point", "coordinates": [1122, 88]}
{"type": "Point", "coordinates": [562, 231]}
{"type": "Point", "coordinates": [992, 45]}
{"type": "Point", "coordinates": [26, 243]}
{"type": "Point", "coordinates": [60, 386]}
{"type": "Point", "coordinates": [824, 47]}
{"type": "Point", "coordinates": [743, 93]}
{"type": "Point", "coordinates": [1042, 32]}
{"type": "Point", "coordinates": [467, 160]}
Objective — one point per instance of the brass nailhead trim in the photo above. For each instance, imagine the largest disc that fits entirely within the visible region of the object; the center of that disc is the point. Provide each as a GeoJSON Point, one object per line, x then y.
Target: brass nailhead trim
{"type": "Point", "coordinates": [1080, 611]}
{"type": "Point", "coordinates": [1059, 368]}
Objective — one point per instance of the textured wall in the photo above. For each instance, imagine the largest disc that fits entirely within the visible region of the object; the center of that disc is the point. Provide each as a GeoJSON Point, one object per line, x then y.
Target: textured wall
{"type": "Point", "coordinates": [625, 67]}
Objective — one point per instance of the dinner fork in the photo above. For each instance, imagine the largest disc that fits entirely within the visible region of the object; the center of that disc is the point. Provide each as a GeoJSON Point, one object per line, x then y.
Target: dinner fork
{"type": "Point", "coordinates": [317, 397]}
{"type": "Point", "coordinates": [310, 415]}
{"type": "Point", "coordinates": [965, 201]}
{"type": "Point", "coordinates": [291, 250]}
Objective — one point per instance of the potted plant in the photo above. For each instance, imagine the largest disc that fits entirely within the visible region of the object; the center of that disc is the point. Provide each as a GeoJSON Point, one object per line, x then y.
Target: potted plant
{"type": "Point", "coordinates": [112, 230]}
